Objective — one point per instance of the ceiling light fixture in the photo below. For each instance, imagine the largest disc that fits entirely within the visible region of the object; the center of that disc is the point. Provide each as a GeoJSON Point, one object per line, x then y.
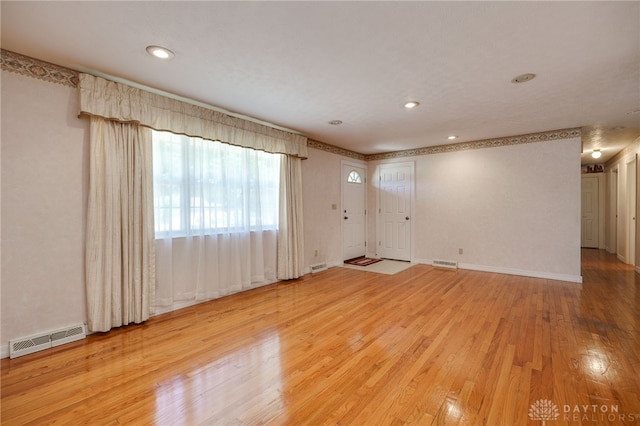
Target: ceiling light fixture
{"type": "Point", "coordinates": [160, 52]}
{"type": "Point", "coordinates": [523, 78]}
{"type": "Point", "coordinates": [596, 153]}
{"type": "Point", "coordinates": [411, 105]}
{"type": "Point", "coordinates": [335, 122]}
{"type": "Point", "coordinates": [452, 137]}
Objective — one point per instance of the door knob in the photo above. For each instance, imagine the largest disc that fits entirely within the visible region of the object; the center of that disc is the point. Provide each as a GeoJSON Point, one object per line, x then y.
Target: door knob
{"type": "Point", "coordinates": [407, 218]}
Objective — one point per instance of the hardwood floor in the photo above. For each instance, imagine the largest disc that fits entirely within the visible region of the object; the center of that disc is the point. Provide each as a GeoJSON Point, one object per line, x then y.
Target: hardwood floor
{"type": "Point", "coordinates": [424, 346]}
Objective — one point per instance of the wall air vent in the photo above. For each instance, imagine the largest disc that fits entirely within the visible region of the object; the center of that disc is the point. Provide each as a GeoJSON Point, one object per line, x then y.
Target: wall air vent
{"type": "Point", "coordinates": [68, 335]}
{"type": "Point", "coordinates": [318, 267]}
{"type": "Point", "coordinates": [449, 264]}
{"type": "Point", "coordinates": [29, 345]}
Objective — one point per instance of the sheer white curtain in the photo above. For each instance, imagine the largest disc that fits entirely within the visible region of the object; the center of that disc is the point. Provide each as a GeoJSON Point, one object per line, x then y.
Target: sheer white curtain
{"type": "Point", "coordinates": [119, 258]}
{"type": "Point", "coordinates": [216, 214]}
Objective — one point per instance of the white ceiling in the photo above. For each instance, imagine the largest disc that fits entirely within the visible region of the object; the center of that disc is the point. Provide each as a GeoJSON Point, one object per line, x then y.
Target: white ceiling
{"type": "Point", "coordinates": [300, 65]}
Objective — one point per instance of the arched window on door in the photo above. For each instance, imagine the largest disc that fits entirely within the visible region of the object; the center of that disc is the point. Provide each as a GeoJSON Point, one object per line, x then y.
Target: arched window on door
{"type": "Point", "coordinates": [354, 177]}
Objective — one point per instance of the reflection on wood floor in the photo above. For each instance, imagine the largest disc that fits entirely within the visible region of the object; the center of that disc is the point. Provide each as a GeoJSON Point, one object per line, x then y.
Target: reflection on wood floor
{"type": "Point", "coordinates": [424, 346]}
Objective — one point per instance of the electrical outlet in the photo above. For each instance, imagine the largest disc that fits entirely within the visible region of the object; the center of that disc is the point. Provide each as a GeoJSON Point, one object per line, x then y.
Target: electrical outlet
{"type": "Point", "coordinates": [460, 251]}
{"type": "Point", "coordinates": [315, 253]}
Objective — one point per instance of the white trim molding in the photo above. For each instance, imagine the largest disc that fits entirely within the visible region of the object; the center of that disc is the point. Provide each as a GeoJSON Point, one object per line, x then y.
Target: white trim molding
{"type": "Point", "coordinates": [512, 271]}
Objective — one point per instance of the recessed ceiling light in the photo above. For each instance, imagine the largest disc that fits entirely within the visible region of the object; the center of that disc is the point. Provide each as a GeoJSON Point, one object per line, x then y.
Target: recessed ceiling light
{"type": "Point", "coordinates": [452, 137]}
{"type": "Point", "coordinates": [160, 52]}
{"type": "Point", "coordinates": [335, 122]}
{"type": "Point", "coordinates": [596, 153]}
{"type": "Point", "coordinates": [523, 78]}
{"type": "Point", "coordinates": [411, 105]}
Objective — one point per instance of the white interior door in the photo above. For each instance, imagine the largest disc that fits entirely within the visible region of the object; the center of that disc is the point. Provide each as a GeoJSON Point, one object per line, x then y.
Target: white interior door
{"type": "Point", "coordinates": [353, 210]}
{"type": "Point", "coordinates": [631, 211]}
{"type": "Point", "coordinates": [613, 211]}
{"type": "Point", "coordinates": [620, 217]}
{"type": "Point", "coordinates": [590, 216]}
{"type": "Point", "coordinates": [394, 212]}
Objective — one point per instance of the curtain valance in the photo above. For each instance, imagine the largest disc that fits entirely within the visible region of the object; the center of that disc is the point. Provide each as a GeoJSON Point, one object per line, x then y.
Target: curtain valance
{"type": "Point", "coordinates": [119, 102]}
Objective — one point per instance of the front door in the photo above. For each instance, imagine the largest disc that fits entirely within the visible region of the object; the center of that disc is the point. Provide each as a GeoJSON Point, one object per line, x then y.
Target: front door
{"type": "Point", "coordinates": [394, 212]}
{"type": "Point", "coordinates": [353, 210]}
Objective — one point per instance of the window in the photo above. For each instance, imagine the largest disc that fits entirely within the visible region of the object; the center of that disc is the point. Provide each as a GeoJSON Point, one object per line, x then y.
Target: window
{"type": "Point", "coordinates": [206, 187]}
{"type": "Point", "coordinates": [354, 177]}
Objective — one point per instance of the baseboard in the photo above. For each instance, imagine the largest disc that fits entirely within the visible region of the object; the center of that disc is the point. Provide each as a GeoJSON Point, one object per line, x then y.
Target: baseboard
{"type": "Point", "coordinates": [159, 310]}
{"type": "Point", "coordinates": [524, 273]}
{"type": "Point", "coordinates": [512, 271]}
{"type": "Point", "coordinates": [332, 264]}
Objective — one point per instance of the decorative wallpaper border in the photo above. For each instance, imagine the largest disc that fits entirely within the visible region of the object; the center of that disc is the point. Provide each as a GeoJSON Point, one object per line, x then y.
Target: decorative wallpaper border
{"type": "Point", "coordinates": [485, 143]}
{"type": "Point", "coordinates": [334, 149]}
{"type": "Point", "coordinates": [35, 68]}
{"type": "Point", "coordinates": [46, 71]}
{"type": "Point", "coordinates": [461, 146]}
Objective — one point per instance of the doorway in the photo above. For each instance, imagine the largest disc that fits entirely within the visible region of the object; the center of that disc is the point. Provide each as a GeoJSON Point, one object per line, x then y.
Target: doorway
{"type": "Point", "coordinates": [612, 212]}
{"type": "Point", "coordinates": [395, 205]}
{"type": "Point", "coordinates": [619, 217]}
{"type": "Point", "coordinates": [353, 178]}
{"type": "Point", "coordinates": [590, 222]}
{"type": "Point", "coordinates": [631, 211]}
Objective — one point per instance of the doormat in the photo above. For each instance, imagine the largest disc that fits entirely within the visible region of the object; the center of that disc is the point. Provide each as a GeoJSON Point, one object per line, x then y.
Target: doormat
{"type": "Point", "coordinates": [362, 261]}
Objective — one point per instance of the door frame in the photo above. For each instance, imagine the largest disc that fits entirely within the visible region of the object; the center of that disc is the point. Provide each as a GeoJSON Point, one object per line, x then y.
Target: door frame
{"type": "Point", "coordinates": [631, 213]}
{"type": "Point", "coordinates": [412, 203]}
{"type": "Point", "coordinates": [612, 218]}
{"type": "Point", "coordinates": [365, 184]}
{"type": "Point", "coordinates": [620, 216]}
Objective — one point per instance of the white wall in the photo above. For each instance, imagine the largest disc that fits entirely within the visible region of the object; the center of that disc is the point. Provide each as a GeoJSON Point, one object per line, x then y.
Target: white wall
{"type": "Point", "coordinates": [44, 184]}
{"type": "Point", "coordinates": [513, 209]}
{"type": "Point", "coordinates": [322, 224]}
{"type": "Point", "coordinates": [619, 236]}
